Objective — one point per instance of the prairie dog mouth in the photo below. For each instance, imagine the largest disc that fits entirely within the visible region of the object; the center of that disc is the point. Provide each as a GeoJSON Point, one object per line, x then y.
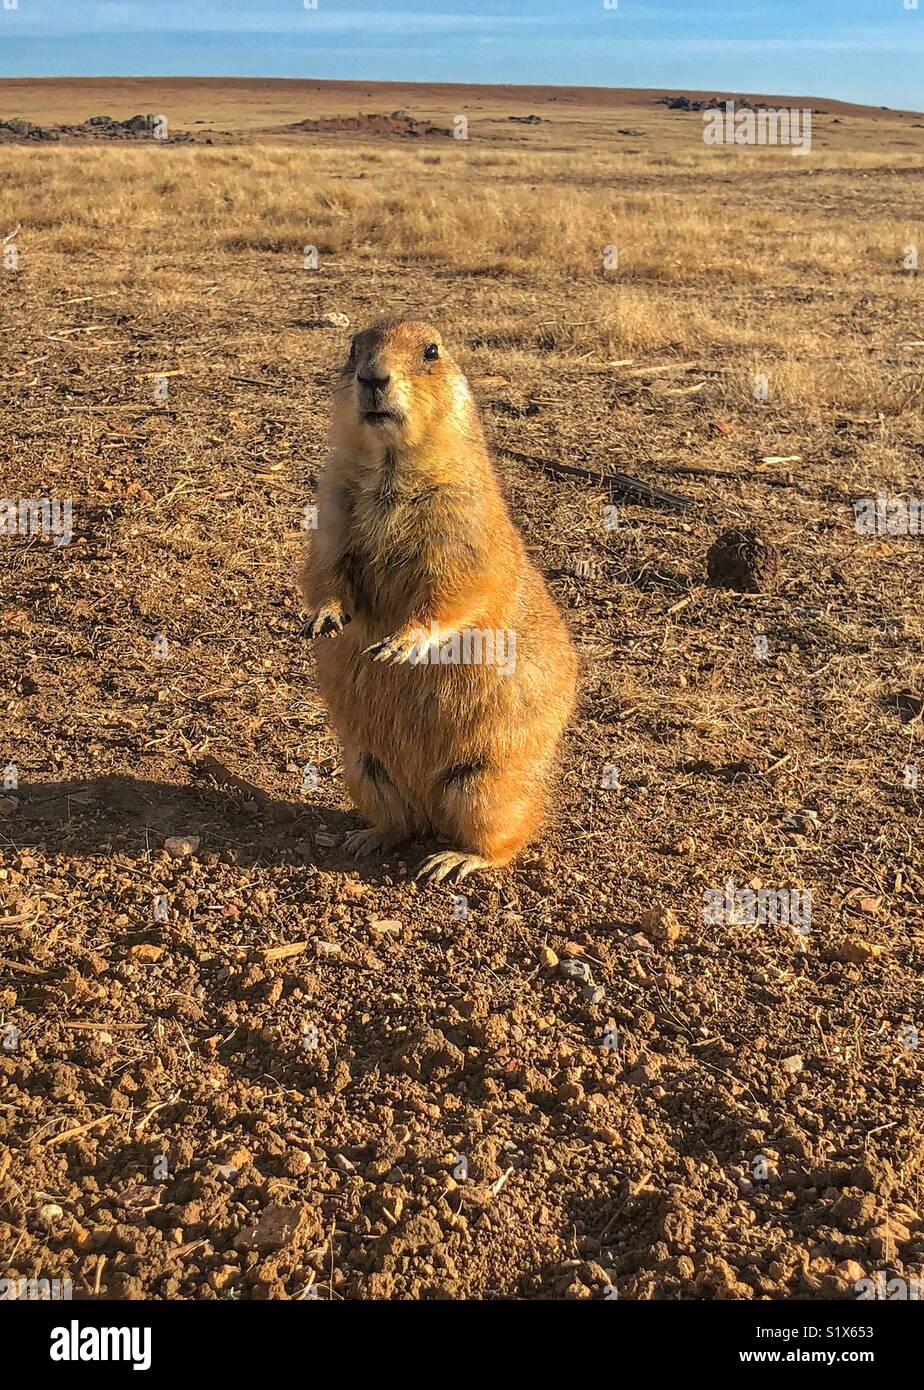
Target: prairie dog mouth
{"type": "Point", "coordinates": [381, 417]}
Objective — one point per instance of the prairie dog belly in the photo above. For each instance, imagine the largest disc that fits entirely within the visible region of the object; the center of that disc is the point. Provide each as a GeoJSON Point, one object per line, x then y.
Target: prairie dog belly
{"type": "Point", "coordinates": [419, 720]}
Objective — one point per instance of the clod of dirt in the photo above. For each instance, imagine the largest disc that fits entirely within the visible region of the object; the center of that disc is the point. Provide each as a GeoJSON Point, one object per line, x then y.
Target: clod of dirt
{"type": "Point", "coordinates": [858, 952]}
{"type": "Point", "coordinates": [277, 1228]}
{"type": "Point", "coordinates": [660, 924]}
{"type": "Point", "coordinates": [431, 1055]}
{"type": "Point", "coordinates": [743, 560]}
{"type": "Point", "coordinates": [385, 926]}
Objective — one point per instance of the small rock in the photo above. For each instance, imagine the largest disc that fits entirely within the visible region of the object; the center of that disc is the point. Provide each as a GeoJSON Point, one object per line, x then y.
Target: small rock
{"type": "Point", "coordinates": [385, 926]}
{"type": "Point", "coordinates": [334, 320]}
{"type": "Point", "coordinates": [792, 1064]}
{"type": "Point", "coordinates": [181, 846]}
{"type": "Point", "coordinates": [548, 957]}
{"type": "Point", "coordinates": [576, 970]}
{"type": "Point", "coordinates": [146, 952]}
{"type": "Point", "coordinates": [328, 948]}
{"type": "Point", "coordinates": [50, 1213]}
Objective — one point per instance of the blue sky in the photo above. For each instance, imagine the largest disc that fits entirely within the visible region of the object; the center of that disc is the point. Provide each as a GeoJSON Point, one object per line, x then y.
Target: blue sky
{"type": "Point", "coordinates": [858, 50]}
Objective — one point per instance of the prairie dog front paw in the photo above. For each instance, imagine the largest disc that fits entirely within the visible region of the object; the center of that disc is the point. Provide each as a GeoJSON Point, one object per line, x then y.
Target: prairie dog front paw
{"type": "Point", "coordinates": [326, 621]}
{"type": "Point", "coordinates": [401, 647]}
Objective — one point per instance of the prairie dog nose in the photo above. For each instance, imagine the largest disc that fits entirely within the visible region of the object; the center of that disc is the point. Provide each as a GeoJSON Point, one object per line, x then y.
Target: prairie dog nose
{"type": "Point", "coordinates": [374, 382]}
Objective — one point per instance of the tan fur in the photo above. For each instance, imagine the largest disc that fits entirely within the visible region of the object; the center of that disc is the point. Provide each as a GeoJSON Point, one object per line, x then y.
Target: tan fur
{"type": "Point", "coordinates": [413, 531]}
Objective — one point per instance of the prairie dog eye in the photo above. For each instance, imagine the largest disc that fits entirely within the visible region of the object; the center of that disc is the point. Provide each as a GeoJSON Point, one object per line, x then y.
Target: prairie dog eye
{"type": "Point", "coordinates": [431, 352]}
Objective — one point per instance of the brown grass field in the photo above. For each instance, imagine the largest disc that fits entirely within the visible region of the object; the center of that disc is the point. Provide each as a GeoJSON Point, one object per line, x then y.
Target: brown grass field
{"type": "Point", "coordinates": [260, 1091]}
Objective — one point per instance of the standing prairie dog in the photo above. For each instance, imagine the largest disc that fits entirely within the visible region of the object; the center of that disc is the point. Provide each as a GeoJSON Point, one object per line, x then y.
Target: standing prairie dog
{"type": "Point", "coordinates": [450, 675]}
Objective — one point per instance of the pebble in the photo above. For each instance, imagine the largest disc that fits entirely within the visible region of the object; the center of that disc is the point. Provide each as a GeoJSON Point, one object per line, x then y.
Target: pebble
{"type": "Point", "coordinates": [576, 970]}
{"type": "Point", "coordinates": [181, 846]}
{"type": "Point", "coordinates": [548, 957]}
{"type": "Point", "coordinates": [146, 952]}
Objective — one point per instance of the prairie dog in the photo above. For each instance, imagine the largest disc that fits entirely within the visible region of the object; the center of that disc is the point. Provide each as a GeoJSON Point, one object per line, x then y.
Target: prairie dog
{"type": "Point", "coordinates": [450, 674]}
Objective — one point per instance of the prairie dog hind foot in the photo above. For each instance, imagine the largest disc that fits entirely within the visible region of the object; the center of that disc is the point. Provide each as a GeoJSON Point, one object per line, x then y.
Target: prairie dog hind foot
{"type": "Point", "coordinates": [360, 844]}
{"type": "Point", "coordinates": [451, 865]}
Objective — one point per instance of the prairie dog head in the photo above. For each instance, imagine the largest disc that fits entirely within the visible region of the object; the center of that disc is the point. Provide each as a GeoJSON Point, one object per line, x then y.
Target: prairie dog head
{"type": "Point", "coordinates": [398, 386]}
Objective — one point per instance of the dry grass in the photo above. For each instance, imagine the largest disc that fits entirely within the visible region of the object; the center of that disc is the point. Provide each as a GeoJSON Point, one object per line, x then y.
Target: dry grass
{"type": "Point", "coordinates": [701, 262]}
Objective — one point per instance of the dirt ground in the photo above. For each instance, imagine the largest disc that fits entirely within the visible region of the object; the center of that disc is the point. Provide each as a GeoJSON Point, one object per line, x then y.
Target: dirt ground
{"type": "Point", "coordinates": [243, 1067]}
